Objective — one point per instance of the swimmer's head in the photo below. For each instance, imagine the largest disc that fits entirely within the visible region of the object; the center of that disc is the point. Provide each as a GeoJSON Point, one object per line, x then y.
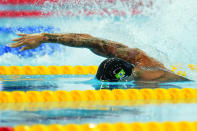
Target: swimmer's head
{"type": "Point", "coordinates": [114, 69]}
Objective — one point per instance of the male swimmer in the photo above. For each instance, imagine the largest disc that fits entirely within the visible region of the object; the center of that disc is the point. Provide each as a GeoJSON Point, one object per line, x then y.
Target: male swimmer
{"type": "Point", "coordinates": [123, 63]}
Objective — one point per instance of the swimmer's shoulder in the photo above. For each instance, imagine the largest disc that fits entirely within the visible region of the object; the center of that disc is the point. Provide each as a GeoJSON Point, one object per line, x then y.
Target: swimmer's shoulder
{"type": "Point", "coordinates": [139, 58]}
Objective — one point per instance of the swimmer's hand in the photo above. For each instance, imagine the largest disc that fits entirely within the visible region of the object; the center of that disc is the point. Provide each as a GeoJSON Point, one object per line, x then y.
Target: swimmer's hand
{"type": "Point", "coordinates": [29, 41]}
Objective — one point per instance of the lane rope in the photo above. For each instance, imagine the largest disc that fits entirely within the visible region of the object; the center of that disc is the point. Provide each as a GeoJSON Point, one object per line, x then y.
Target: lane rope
{"type": "Point", "coordinates": [43, 49]}
{"type": "Point", "coordinates": [53, 69]}
{"type": "Point", "coordinates": [48, 70]}
{"type": "Point", "coordinates": [170, 94]}
{"type": "Point", "coordinates": [26, 13]}
{"type": "Point", "coordinates": [121, 126]}
{"type": "Point", "coordinates": [70, 13]}
{"type": "Point", "coordinates": [29, 29]}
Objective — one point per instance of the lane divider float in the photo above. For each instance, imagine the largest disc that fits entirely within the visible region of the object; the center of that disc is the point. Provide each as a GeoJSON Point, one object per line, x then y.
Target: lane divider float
{"type": "Point", "coordinates": [41, 2]}
{"type": "Point", "coordinates": [24, 2]}
{"type": "Point", "coordinates": [48, 70]}
{"type": "Point", "coordinates": [170, 94]}
{"type": "Point", "coordinates": [121, 126]}
{"type": "Point", "coordinates": [69, 13]}
{"type": "Point", "coordinates": [43, 49]}
{"type": "Point", "coordinates": [25, 13]}
{"type": "Point", "coordinates": [29, 29]}
{"type": "Point", "coordinates": [6, 129]}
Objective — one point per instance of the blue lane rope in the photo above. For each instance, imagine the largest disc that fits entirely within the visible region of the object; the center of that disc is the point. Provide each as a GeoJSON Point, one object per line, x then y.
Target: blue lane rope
{"type": "Point", "coordinates": [44, 49]}
{"type": "Point", "coordinates": [29, 29]}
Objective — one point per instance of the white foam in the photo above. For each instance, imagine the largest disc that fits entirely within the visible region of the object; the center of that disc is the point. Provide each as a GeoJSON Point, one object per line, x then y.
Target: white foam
{"type": "Point", "coordinates": [166, 31]}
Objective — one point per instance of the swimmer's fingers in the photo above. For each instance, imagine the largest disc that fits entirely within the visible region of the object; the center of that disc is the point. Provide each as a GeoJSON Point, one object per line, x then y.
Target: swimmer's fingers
{"type": "Point", "coordinates": [25, 48]}
{"type": "Point", "coordinates": [18, 39]}
{"type": "Point", "coordinates": [18, 44]}
{"type": "Point", "coordinates": [21, 34]}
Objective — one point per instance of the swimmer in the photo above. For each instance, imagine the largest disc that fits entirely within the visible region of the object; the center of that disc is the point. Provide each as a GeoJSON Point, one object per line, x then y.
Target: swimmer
{"type": "Point", "coordinates": [123, 63]}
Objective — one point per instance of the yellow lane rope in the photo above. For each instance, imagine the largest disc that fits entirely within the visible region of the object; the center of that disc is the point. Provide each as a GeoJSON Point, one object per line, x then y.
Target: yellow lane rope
{"type": "Point", "coordinates": [100, 95]}
{"type": "Point", "coordinates": [47, 70]}
{"type": "Point", "coordinates": [87, 105]}
{"type": "Point", "coordinates": [64, 70]}
{"type": "Point", "coordinates": [135, 126]}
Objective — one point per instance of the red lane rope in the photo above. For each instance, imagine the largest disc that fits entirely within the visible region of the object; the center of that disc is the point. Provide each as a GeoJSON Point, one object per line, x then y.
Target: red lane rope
{"type": "Point", "coordinates": [9, 13]}
{"type": "Point", "coordinates": [104, 12]}
{"type": "Point", "coordinates": [14, 2]}
{"type": "Point", "coordinates": [41, 2]}
{"type": "Point", "coordinates": [6, 129]}
{"type": "Point", "coordinates": [37, 2]}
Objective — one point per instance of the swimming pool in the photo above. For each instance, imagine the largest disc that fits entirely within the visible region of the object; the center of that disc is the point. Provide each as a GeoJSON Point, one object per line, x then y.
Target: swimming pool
{"type": "Point", "coordinates": [169, 37]}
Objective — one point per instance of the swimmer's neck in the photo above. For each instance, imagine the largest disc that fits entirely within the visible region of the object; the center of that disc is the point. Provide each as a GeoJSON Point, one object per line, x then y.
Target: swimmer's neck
{"type": "Point", "coordinates": [156, 75]}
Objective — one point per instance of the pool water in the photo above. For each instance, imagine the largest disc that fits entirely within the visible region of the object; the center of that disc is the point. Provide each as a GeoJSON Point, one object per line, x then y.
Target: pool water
{"type": "Point", "coordinates": [87, 112]}
{"type": "Point", "coordinates": [76, 82]}
{"type": "Point", "coordinates": [166, 31]}
{"type": "Point", "coordinates": [112, 114]}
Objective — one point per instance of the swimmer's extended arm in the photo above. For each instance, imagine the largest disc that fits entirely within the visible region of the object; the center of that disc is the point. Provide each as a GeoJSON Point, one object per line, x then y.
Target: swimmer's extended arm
{"type": "Point", "coordinates": [99, 46]}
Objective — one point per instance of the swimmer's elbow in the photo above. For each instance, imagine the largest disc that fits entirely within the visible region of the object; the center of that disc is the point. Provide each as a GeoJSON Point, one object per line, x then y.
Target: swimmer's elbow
{"type": "Point", "coordinates": [174, 77]}
{"type": "Point", "coordinates": [184, 79]}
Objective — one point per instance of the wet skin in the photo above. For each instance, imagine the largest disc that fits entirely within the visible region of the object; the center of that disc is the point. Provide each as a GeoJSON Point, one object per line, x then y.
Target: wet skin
{"type": "Point", "coordinates": [146, 68]}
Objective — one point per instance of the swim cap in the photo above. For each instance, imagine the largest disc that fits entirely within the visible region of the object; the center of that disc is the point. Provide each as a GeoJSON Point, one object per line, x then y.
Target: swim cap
{"type": "Point", "coordinates": [114, 69]}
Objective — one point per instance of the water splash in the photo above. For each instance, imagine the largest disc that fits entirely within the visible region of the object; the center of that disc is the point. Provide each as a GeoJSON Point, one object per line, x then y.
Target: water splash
{"type": "Point", "coordinates": [165, 30]}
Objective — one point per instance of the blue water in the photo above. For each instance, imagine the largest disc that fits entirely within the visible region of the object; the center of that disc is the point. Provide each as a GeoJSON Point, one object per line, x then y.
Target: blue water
{"type": "Point", "coordinates": [76, 82]}
{"type": "Point", "coordinates": [79, 112]}
{"type": "Point", "coordinates": [166, 32]}
{"type": "Point", "coordinates": [142, 113]}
